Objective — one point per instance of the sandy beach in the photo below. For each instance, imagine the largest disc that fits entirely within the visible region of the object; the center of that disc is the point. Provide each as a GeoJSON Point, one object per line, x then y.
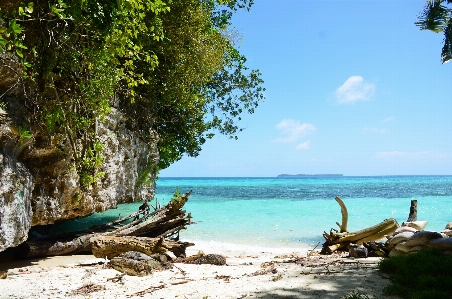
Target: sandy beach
{"type": "Point", "coordinates": [265, 274]}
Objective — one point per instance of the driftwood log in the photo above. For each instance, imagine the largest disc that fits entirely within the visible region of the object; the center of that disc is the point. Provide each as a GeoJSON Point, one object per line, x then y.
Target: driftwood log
{"type": "Point", "coordinates": [112, 246]}
{"type": "Point", "coordinates": [153, 230]}
{"type": "Point", "coordinates": [340, 240]}
{"type": "Point", "coordinates": [139, 264]}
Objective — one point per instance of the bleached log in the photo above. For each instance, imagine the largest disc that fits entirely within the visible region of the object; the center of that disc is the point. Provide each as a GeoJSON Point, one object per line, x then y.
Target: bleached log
{"type": "Point", "coordinates": [344, 212]}
{"type": "Point", "coordinates": [337, 240]}
{"type": "Point", "coordinates": [388, 225]}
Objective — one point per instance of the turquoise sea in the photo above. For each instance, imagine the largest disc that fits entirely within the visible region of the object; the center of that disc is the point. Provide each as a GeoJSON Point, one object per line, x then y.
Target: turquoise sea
{"type": "Point", "coordinates": [294, 212]}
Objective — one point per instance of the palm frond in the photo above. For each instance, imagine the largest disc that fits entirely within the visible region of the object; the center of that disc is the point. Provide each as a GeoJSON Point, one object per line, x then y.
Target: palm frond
{"type": "Point", "coordinates": [434, 17]}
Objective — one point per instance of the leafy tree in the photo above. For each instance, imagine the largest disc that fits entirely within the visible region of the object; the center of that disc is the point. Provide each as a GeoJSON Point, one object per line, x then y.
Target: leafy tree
{"type": "Point", "coordinates": [437, 17]}
{"type": "Point", "coordinates": [172, 67]}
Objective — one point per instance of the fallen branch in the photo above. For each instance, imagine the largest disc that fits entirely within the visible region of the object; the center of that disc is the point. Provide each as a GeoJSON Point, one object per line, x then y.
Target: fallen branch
{"type": "Point", "coordinates": [340, 240]}
{"type": "Point", "coordinates": [154, 225]}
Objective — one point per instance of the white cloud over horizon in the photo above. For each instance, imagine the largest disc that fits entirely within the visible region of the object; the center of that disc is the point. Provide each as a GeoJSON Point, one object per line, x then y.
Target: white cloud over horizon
{"type": "Point", "coordinates": [304, 146]}
{"type": "Point", "coordinates": [355, 89]}
{"type": "Point", "coordinates": [292, 130]}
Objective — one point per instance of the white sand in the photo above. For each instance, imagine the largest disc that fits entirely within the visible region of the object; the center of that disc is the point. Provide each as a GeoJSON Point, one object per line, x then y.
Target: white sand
{"type": "Point", "coordinates": [247, 275]}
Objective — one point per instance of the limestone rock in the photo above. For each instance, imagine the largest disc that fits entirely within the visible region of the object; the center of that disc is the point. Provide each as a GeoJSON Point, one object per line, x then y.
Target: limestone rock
{"type": "Point", "coordinates": [419, 225]}
{"type": "Point", "coordinates": [442, 244]}
{"type": "Point", "coordinates": [447, 232]}
{"type": "Point", "coordinates": [401, 237]}
{"type": "Point", "coordinates": [357, 251]}
{"type": "Point", "coordinates": [394, 252]}
{"type": "Point", "coordinates": [403, 229]}
{"type": "Point", "coordinates": [416, 249]}
{"type": "Point", "coordinates": [402, 247]}
{"type": "Point", "coordinates": [213, 259]}
{"type": "Point", "coordinates": [422, 238]}
{"type": "Point", "coordinates": [39, 185]}
{"type": "Point", "coordinates": [16, 184]}
{"type": "Point", "coordinates": [10, 69]}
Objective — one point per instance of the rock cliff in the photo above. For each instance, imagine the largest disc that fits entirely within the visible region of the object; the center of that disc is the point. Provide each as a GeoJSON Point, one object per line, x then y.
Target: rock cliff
{"type": "Point", "coordinates": [39, 186]}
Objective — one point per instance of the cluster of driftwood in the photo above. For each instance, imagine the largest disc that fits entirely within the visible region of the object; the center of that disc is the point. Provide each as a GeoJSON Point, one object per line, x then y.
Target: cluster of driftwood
{"type": "Point", "coordinates": [136, 244]}
{"type": "Point", "coordinates": [410, 237]}
{"type": "Point", "coordinates": [341, 240]}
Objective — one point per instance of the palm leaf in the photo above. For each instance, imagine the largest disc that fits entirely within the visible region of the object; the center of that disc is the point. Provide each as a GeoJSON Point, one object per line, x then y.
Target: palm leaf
{"type": "Point", "coordinates": [434, 17]}
{"type": "Point", "coordinates": [446, 54]}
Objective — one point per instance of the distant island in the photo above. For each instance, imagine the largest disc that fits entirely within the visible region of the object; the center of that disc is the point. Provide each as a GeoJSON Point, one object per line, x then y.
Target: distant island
{"type": "Point", "coordinates": [310, 175]}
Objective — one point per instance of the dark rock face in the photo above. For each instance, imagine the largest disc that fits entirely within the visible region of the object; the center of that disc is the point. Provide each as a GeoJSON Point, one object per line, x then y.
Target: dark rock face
{"type": "Point", "coordinates": [39, 185]}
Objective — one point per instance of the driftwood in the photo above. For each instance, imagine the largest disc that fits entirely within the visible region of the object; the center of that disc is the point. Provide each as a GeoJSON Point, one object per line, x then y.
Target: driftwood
{"type": "Point", "coordinates": [139, 264]}
{"type": "Point", "coordinates": [153, 226]}
{"type": "Point", "coordinates": [340, 240]}
{"type": "Point", "coordinates": [344, 212]}
{"type": "Point", "coordinates": [112, 246]}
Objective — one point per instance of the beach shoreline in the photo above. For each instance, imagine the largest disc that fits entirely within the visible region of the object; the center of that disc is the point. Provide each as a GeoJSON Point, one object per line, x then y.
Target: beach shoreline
{"type": "Point", "coordinates": [268, 273]}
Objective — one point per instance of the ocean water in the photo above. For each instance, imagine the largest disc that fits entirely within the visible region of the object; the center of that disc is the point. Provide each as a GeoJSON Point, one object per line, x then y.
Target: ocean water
{"type": "Point", "coordinates": [294, 212]}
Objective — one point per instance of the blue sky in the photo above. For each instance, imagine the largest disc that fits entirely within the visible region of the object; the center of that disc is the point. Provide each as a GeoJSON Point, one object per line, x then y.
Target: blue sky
{"type": "Point", "coordinates": [353, 87]}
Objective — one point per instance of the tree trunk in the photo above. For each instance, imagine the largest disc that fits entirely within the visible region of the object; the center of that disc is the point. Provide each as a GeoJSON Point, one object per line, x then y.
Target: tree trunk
{"type": "Point", "coordinates": [413, 211]}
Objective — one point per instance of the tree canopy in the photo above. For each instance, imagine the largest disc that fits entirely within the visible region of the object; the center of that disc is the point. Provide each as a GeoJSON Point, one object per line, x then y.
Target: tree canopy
{"type": "Point", "coordinates": [437, 17]}
{"type": "Point", "coordinates": [172, 66]}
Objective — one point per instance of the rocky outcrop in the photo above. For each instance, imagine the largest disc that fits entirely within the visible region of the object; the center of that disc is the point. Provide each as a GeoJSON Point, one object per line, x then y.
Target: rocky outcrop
{"type": "Point", "coordinates": [39, 186]}
{"type": "Point", "coordinates": [16, 184]}
{"type": "Point", "coordinates": [57, 194]}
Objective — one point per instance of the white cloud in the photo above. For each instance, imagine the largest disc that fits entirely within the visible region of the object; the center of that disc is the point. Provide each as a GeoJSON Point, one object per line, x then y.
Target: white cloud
{"type": "Point", "coordinates": [388, 119]}
{"type": "Point", "coordinates": [304, 146]}
{"type": "Point", "coordinates": [355, 89]}
{"type": "Point", "coordinates": [292, 130]}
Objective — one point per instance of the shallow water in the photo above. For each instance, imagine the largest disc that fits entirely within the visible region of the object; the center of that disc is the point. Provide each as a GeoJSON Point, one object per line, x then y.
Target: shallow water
{"type": "Point", "coordinates": [294, 212]}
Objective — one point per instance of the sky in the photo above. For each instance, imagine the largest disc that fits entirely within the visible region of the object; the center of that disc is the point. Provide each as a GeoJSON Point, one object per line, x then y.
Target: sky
{"type": "Point", "coordinates": [352, 88]}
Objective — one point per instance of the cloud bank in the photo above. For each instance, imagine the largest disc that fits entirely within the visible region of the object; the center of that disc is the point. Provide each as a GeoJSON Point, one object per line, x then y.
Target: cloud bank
{"type": "Point", "coordinates": [355, 89]}
{"type": "Point", "coordinates": [412, 155]}
{"type": "Point", "coordinates": [291, 130]}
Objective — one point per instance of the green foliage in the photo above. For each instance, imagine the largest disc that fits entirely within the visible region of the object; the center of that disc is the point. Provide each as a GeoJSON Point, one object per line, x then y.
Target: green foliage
{"type": "Point", "coordinates": [171, 66]}
{"type": "Point", "coordinates": [24, 134]}
{"type": "Point", "coordinates": [423, 275]}
{"type": "Point", "coordinates": [145, 178]}
{"type": "Point", "coordinates": [437, 17]}
{"type": "Point", "coordinates": [177, 196]}
{"type": "Point", "coordinates": [90, 164]}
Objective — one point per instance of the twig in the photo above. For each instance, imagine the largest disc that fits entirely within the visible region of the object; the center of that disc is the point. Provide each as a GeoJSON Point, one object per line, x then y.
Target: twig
{"type": "Point", "coordinates": [181, 271]}
{"type": "Point", "coordinates": [146, 291]}
{"type": "Point", "coordinates": [311, 251]}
